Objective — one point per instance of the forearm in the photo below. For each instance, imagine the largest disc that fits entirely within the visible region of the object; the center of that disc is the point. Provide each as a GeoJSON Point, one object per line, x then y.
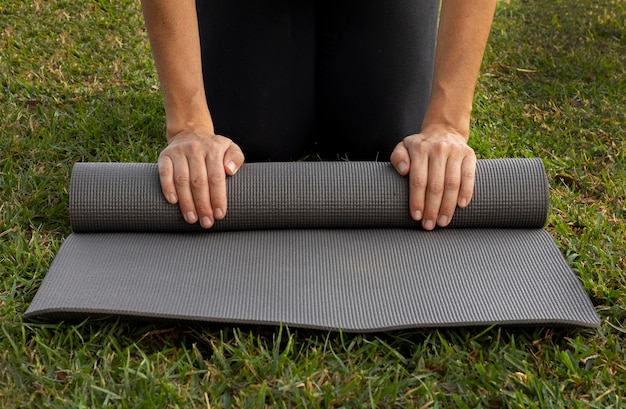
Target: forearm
{"type": "Point", "coordinates": [173, 31]}
{"type": "Point", "coordinates": [462, 36]}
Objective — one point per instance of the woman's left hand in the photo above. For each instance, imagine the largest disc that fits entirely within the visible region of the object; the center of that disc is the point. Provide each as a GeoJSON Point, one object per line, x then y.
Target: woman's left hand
{"type": "Point", "coordinates": [441, 169]}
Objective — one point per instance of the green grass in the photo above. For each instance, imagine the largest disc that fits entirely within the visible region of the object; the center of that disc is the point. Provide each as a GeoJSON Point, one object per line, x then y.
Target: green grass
{"type": "Point", "coordinates": [77, 83]}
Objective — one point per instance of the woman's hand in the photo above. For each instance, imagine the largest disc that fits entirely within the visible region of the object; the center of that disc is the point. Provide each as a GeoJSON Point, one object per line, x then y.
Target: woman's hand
{"type": "Point", "coordinates": [441, 169]}
{"type": "Point", "coordinates": [193, 171]}
{"type": "Point", "coordinates": [194, 166]}
{"type": "Point", "coordinates": [439, 162]}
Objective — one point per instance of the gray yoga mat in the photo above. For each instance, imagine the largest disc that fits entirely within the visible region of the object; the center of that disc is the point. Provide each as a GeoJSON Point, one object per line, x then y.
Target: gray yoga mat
{"type": "Point", "coordinates": [325, 245]}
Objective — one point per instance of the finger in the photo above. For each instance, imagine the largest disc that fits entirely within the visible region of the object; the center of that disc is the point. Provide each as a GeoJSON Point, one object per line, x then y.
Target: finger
{"type": "Point", "coordinates": [216, 177]}
{"type": "Point", "coordinates": [400, 159]}
{"type": "Point", "coordinates": [183, 191]}
{"type": "Point", "coordinates": [166, 175]}
{"type": "Point", "coordinates": [434, 192]}
{"type": "Point", "coordinates": [452, 184]}
{"type": "Point", "coordinates": [200, 190]}
{"type": "Point", "coordinates": [418, 181]}
{"type": "Point", "coordinates": [233, 159]}
{"type": "Point", "coordinates": [468, 177]}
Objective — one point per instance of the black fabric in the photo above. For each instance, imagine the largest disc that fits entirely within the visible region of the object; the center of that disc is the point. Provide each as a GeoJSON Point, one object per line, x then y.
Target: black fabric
{"type": "Point", "coordinates": [312, 249]}
{"type": "Point", "coordinates": [346, 77]}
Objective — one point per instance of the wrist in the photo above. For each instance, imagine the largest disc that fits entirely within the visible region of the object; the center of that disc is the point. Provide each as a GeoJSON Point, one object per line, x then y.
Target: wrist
{"type": "Point", "coordinates": [446, 127]}
{"type": "Point", "coordinates": [189, 128]}
{"type": "Point", "coordinates": [193, 113]}
{"type": "Point", "coordinates": [448, 112]}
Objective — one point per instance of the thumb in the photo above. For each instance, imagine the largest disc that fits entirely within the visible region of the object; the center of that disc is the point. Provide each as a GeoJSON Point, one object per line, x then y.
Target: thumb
{"type": "Point", "coordinates": [400, 159]}
{"type": "Point", "coordinates": [233, 159]}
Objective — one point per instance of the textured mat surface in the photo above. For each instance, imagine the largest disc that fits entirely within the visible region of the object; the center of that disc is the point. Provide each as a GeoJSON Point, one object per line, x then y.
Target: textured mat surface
{"type": "Point", "coordinates": [319, 245]}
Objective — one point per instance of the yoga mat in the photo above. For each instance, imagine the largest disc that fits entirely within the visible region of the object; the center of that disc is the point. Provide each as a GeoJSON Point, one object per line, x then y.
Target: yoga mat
{"type": "Point", "coordinates": [326, 245]}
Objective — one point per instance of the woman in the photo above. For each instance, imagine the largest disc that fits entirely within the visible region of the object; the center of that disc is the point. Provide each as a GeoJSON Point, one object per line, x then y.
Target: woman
{"type": "Point", "coordinates": [287, 78]}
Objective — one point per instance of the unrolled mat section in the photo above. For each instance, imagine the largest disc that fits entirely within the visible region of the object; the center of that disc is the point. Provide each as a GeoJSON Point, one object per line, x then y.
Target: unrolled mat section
{"type": "Point", "coordinates": [326, 245]}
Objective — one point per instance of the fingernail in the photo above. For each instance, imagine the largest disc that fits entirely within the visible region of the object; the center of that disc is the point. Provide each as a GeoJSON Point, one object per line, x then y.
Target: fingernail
{"type": "Point", "coordinates": [429, 225]}
{"type": "Point", "coordinates": [206, 222]}
{"type": "Point", "coordinates": [219, 213]}
{"type": "Point", "coordinates": [232, 166]}
{"type": "Point", "coordinates": [402, 167]}
{"type": "Point", "coordinates": [463, 202]}
{"type": "Point", "coordinates": [417, 215]}
{"type": "Point", "coordinates": [190, 217]}
{"type": "Point", "coordinates": [443, 220]}
{"type": "Point", "coordinates": [172, 198]}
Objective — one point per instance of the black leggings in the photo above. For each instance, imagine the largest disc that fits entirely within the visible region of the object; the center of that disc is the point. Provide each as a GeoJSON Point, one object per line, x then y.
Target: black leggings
{"type": "Point", "coordinates": [290, 78]}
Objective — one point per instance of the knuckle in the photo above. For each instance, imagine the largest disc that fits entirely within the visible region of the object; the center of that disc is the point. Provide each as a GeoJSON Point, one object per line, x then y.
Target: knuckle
{"type": "Point", "coordinates": [218, 144]}
{"type": "Point", "coordinates": [181, 180]}
{"type": "Point", "coordinates": [468, 150]}
{"type": "Point", "coordinates": [419, 183]}
{"type": "Point", "coordinates": [435, 188]}
{"type": "Point", "coordinates": [468, 174]}
{"type": "Point", "coordinates": [408, 141]}
{"type": "Point", "coordinates": [221, 140]}
{"type": "Point", "coordinates": [194, 145]}
{"type": "Point", "coordinates": [441, 148]}
{"type": "Point", "coordinates": [447, 208]}
{"type": "Point", "coordinates": [165, 171]}
{"type": "Point", "coordinates": [199, 182]}
{"type": "Point", "coordinates": [186, 204]}
{"type": "Point", "coordinates": [203, 208]}
{"type": "Point", "coordinates": [430, 214]}
{"type": "Point", "coordinates": [453, 184]}
{"type": "Point", "coordinates": [188, 148]}
{"type": "Point", "coordinates": [218, 200]}
{"type": "Point", "coordinates": [466, 191]}
{"type": "Point", "coordinates": [395, 155]}
{"type": "Point", "coordinates": [417, 146]}
{"type": "Point", "coordinates": [216, 178]}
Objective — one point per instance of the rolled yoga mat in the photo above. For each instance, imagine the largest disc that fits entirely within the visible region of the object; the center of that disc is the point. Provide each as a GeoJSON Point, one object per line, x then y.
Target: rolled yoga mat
{"type": "Point", "coordinates": [326, 245]}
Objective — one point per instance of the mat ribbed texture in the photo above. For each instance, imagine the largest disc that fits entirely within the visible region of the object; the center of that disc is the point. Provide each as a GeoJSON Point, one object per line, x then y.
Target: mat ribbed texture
{"type": "Point", "coordinates": [320, 245]}
{"type": "Point", "coordinates": [120, 197]}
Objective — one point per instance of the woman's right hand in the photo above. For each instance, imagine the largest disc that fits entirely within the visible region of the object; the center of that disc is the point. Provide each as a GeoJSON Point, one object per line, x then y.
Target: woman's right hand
{"type": "Point", "coordinates": [193, 171]}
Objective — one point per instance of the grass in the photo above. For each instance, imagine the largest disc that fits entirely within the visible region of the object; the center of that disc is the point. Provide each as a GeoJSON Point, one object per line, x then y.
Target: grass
{"type": "Point", "coordinates": [77, 83]}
